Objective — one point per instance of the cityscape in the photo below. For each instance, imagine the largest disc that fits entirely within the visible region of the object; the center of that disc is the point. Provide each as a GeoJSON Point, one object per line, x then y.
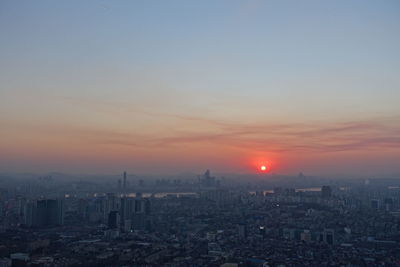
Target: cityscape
{"type": "Point", "coordinates": [200, 221]}
{"type": "Point", "coordinates": [208, 133]}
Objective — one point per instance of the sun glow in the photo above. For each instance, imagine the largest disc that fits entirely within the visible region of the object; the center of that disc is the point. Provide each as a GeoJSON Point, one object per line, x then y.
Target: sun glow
{"type": "Point", "coordinates": [263, 168]}
{"type": "Point", "coordinates": [261, 165]}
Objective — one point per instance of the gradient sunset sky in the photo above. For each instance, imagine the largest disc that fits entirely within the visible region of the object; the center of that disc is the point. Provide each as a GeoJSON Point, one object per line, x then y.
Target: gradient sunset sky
{"type": "Point", "coordinates": [176, 86]}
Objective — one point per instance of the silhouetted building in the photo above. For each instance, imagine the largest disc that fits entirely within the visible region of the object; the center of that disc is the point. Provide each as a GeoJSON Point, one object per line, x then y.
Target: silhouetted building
{"type": "Point", "coordinates": [207, 180]}
{"type": "Point", "coordinates": [44, 213]}
{"type": "Point", "coordinates": [126, 211]}
{"type": "Point", "coordinates": [30, 214]}
{"type": "Point", "coordinates": [140, 218]}
{"type": "Point", "coordinates": [113, 219]}
{"type": "Point", "coordinates": [124, 183]}
{"type": "Point", "coordinates": [111, 203]}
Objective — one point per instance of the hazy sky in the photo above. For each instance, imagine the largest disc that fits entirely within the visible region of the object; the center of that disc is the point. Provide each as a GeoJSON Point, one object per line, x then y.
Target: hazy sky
{"type": "Point", "coordinates": [173, 86]}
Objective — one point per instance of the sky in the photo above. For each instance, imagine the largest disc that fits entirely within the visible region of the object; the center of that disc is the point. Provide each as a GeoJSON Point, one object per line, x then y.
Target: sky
{"type": "Point", "coordinates": [160, 87]}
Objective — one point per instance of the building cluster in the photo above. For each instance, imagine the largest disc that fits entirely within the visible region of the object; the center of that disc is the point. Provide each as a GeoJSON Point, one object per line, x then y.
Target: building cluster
{"type": "Point", "coordinates": [213, 226]}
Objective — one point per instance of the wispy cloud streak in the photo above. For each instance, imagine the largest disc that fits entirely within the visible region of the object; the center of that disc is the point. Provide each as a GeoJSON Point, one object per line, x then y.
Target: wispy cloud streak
{"type": "Point", "coordinates": [372, 134]}
{"type": "Point", "coordinates": [346, 136]}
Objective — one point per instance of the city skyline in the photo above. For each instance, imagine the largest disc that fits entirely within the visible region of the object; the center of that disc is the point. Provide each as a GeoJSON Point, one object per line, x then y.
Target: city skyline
{"type": "Point", "coordinates": [179, 86]}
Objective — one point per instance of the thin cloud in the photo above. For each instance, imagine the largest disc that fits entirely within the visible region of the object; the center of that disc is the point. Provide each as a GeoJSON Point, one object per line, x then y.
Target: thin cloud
{"type": "Point", "coordinates": [377, 133]}
{"type": "Point", "coordinates": [305, 138]}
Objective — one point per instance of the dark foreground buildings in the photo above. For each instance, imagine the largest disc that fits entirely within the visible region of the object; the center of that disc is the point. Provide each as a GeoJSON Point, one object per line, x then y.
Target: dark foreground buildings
{"type": "Point", "coordinates": [212, 225]}
{"type": "Point", "coordinates": [44, 213]}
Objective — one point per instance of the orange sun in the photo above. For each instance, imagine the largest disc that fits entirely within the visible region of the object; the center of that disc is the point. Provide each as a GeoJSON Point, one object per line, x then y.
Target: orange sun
{"type": "Point", "coordinates": [263, 168]}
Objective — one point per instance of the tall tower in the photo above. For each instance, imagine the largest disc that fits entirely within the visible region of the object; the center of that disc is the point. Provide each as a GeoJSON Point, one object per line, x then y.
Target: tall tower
{"type": "Point", "coordinates": [124, 184]}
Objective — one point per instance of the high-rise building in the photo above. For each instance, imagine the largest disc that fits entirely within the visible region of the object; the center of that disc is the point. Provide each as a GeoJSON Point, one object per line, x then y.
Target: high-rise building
{"type": "Point", "coordinates": [126, 210]}
{"type": "Point", "coordinates": [110, 203]}
{"type": "Point", "coordinates": [207, 180]}
{"type": "Point", "coordinates": [139, 221]}
{"type": "Point", "coordinates": [142, 205]}
{"type": "Point", "coordinates": [45, 213]}
{"type": "Point", "coordinates": [29, 214]}
{"type": "Point", "coordinates": [113, 220]}
{"type": "Point", "coordinates": [124, 183]}
{"type": "Point", "coordinates": [141, 217]}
